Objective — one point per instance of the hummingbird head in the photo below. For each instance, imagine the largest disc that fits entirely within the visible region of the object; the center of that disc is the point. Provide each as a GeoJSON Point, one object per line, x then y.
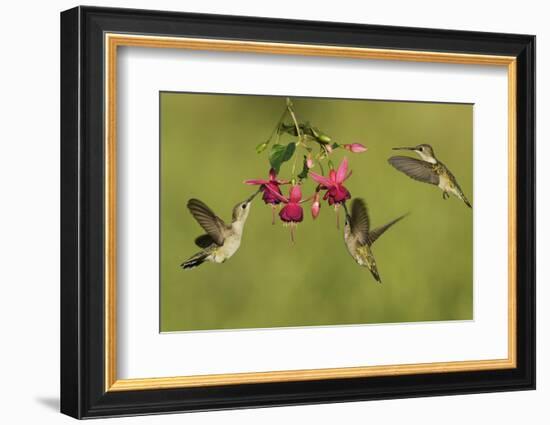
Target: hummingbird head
{"type": "Point", "coordinates": [241, 210]}
{"type": "Point", "coordinates": [424, 150]}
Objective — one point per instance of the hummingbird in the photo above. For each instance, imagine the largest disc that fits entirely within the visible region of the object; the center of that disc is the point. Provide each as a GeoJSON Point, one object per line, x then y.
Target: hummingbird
{"type": "Point", "coordinates": [221, 240]}
{"type": "Point", "coordinates": [359, 238]}
{"type": "Point", "coordinates": [428, 169]}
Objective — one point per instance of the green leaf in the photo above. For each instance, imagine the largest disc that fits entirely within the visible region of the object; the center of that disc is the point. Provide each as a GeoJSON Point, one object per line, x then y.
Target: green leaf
{"type": "Point", "coordinates": [279, 154]}
{"type": "Point", "coordinates": [305, 170]}
{"type": "Point", "coordinates": [261, 147]}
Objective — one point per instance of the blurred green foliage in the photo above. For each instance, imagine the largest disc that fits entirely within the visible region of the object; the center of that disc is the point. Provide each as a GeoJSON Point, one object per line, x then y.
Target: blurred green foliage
{"type": "Point", "coordinates": [208, 148]}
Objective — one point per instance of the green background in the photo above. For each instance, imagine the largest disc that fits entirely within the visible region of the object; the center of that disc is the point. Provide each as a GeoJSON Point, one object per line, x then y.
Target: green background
{"type": "Point", "coordinates": [425, 261]}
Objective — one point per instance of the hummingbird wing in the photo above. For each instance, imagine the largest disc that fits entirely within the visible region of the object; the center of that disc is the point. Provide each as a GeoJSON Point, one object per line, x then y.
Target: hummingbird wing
{"type": "Point", "coordinates": [415, 169]}
{"type": "Point", "coordinates": [376, 233]}
{"type": "Point", "coordinates": [210, 222]}
{"type": "Point", "coordinates": [359, 222]}
{"type": "Point", "coordinates": [204, 241]}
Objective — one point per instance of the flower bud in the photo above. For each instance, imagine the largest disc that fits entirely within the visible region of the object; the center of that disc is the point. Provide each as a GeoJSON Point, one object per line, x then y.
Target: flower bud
{"type": "Point", "coordinates": [261, 147]}
{"type": "Point", "coordinates": [355, 147]}
{"type": "Point", "coordinates": [324, 138]}
{"type": "Point", "coordinates": [309, 162]}
{"type": "Point", "coordinates": [315, 206]}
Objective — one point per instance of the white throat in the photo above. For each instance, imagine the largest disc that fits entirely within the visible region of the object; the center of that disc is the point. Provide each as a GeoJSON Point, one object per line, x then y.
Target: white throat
{"type": "Point", "coordinates": [427, 158]}
{"type": "Point", "coordinates": [238, 226]}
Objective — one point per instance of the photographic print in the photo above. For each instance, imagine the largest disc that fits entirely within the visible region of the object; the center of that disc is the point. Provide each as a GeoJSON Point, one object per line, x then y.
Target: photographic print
{"type": "Point", "coordinates": [289, 212]}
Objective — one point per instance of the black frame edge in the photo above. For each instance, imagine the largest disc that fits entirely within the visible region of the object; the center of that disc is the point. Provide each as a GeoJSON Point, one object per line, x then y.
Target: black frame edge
{"type": "Point", "coordinates": [70, 383]}
{"type": "Point", "coordinates": [526, 211]}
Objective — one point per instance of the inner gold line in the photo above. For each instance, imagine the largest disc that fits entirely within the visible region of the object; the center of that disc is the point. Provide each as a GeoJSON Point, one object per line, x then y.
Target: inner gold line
{"type": "Point", "coordinates": [306, 375]}
{"type": "Point", "coordinates": [110, 213]}
{"type": "Point", "coordinates": [307, 49]}
{"type": "Point", "coordinates": [512, 214]}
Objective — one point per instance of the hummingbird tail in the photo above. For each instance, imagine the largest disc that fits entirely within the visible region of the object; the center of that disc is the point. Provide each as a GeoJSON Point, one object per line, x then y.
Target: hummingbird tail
{"type": "Point", "coordinates": [457, 191]}
{"type": "Point", "coordinates": [463, 198]}
{"type": "Point", "coordinates": [195, 260]}
{"type": "Point", "coordinates": [375, 274]}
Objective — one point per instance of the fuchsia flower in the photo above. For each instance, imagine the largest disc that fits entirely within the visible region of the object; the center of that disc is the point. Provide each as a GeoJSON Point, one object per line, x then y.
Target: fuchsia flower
{"type": "Point", "coordinates": [273, 183]}
{"type": "Point", "coordinates": [292, 213]}
{"type": "Point", "coordinates": [355, 147]}
{"type": "Point", "coordinates": [336, 192]}
{"type": "Point", "coordinates": [315, 206]}
{"type": "Point", "coordinates": [268, 195]}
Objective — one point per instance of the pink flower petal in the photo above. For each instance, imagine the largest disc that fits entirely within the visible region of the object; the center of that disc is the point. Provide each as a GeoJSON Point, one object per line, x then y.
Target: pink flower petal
{"type": "Point", "coordinates": [295, 194]}
{"type": "Point", "coordinates": [321, 179]}
{"type": "Point", "coordinates": [256, 181]}
{"type": "Point", "coordinates": [342, 170]}
{"type": "Point", "coordinates": [275, 194]}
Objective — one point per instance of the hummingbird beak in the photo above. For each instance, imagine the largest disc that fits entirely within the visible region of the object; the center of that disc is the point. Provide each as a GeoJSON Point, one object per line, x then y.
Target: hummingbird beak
{"type": "Point", "coordinates": [348, 217]}
{"type": "Point", "coordinates": [345, 207]}
{"type": "Point", "coordinates": [251, 197]}
{"type": "Point", "coordinates": [404, 149]}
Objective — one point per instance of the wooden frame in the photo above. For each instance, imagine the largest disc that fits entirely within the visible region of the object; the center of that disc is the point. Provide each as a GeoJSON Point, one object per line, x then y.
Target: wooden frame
{"type": "Point", "coordinates": [90, 38]}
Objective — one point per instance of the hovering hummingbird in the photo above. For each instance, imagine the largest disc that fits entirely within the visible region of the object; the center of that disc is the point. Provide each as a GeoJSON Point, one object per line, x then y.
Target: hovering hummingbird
{"type": "Point", "coordinates": [428, 170]}
{"type": "Point", "coordinates": [359, 238]}
{"type": "Point", "coordinates": [221, 240]}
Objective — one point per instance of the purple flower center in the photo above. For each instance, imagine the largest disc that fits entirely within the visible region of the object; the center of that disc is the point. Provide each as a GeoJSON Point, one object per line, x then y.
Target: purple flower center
{"type": "Point", "coordinates": [337, 194]}
{"type": "Point", "coordinates": [292, 213]}
{"type": "Point", "coordinates": [268, 196]}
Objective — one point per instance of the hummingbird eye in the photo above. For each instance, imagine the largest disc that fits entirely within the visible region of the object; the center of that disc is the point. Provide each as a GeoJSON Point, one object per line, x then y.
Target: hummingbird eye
{"type": "Point", "coordinates": [243, 206]}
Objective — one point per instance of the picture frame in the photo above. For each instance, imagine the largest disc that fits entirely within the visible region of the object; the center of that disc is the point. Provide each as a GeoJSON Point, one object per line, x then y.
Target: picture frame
{"type": "Point", "coordinates": [90, 40]}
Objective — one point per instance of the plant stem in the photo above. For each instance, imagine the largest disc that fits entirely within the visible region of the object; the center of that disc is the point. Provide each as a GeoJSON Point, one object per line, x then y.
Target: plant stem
{"type": "Point", "coordinates": [291, 112]}
{"type": "Point", "coordinates": [294, 166]}
{"type": "Point", "coordinates": [298, 131]}
{"type": "Point", "coordinates": [321, 167]}
{"type": "Point", "coordinates": [277, 127]}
